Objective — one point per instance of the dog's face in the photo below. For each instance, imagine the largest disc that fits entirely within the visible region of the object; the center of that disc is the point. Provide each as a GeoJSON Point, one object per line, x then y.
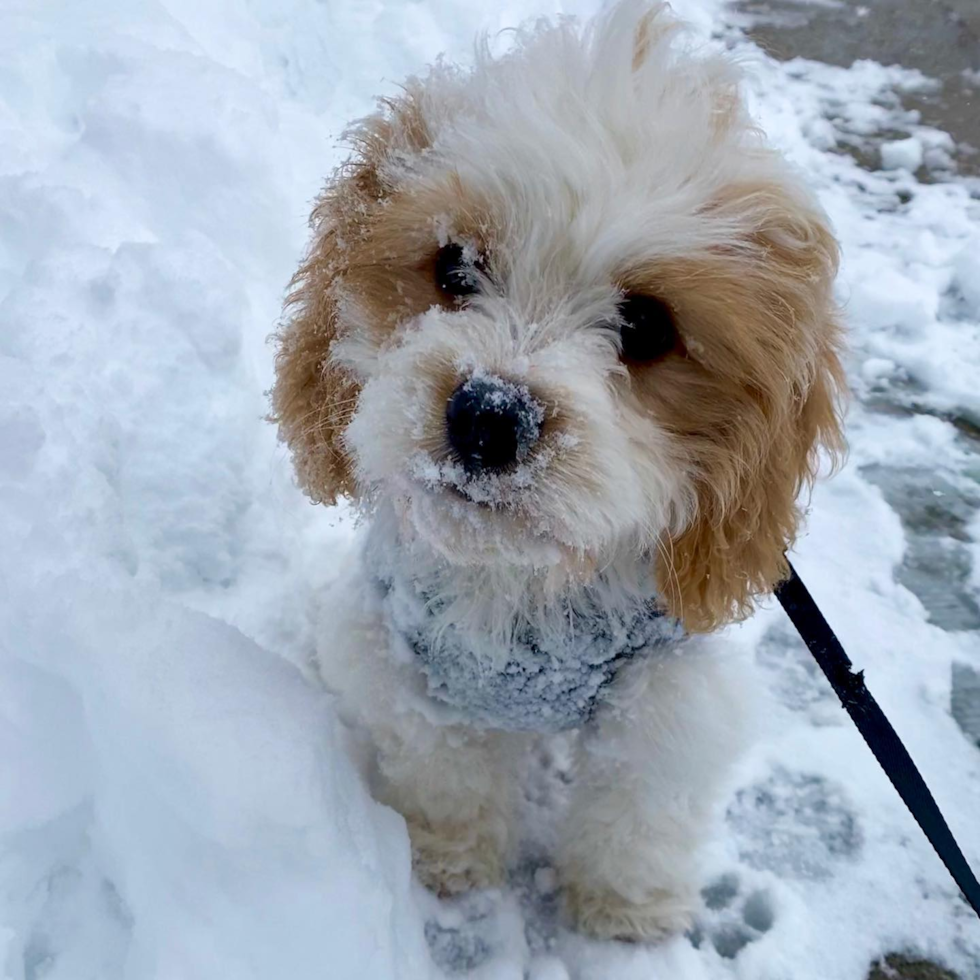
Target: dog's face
{"type": "Point", "coordinates": [568, 306]}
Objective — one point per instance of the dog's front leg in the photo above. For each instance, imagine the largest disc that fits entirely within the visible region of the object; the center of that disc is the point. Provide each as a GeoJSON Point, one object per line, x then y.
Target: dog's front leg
{"type": "Point", "coordinates": [450, 782]}
{"type": "Point", "coordinates": [451, 785]}
{"type": "Point", "coordinates": [650, 770]}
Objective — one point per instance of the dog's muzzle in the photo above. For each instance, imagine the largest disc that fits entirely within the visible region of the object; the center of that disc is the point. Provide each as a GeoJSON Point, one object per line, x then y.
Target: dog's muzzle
{"type": "Point", "coordinates": [492, 424]}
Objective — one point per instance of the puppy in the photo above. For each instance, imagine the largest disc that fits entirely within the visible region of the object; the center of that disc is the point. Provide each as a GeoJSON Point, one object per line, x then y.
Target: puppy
{"type": "Point", "coordinates": [565, 334]}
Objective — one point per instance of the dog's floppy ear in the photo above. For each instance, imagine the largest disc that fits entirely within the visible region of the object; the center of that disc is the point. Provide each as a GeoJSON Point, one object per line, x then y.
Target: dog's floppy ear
{"type": "Point", "coordinates": [314, 398]}
{"type": "Point", "coordinates": [785, 406]}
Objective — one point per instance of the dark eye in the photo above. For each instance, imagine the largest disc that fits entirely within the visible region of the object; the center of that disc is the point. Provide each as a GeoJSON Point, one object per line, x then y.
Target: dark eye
{"type": "Point", "coordinates": [456, 273]}
{"type": "Point", "coordinates": [648, 328]}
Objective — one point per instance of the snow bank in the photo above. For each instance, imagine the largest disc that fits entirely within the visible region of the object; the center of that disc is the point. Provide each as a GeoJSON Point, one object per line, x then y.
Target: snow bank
{"type": "Point", "coordinates": [182, 804]}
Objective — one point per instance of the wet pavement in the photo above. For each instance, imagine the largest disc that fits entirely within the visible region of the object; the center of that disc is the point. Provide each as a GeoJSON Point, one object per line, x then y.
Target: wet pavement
{"type": "Point", "coordinates": [940, 38]}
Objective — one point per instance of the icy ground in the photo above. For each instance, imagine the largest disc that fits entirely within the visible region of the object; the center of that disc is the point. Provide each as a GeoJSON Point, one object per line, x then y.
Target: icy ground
{"type": "Point", "coordinates": [176, 800]}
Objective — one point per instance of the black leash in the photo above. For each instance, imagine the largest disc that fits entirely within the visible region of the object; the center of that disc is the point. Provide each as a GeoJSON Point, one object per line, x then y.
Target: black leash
{"type": "Point", "coordinates": [877, 731]}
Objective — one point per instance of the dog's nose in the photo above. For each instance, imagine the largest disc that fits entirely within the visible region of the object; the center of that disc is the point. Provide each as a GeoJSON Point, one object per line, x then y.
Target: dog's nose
{"type": "Point", "coordinates": [492, 423]}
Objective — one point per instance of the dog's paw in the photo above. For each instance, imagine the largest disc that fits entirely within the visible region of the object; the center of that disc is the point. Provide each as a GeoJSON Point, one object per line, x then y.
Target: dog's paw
{"type": "Point", "coordinates": [605, 914]}
{"type": "Point", "coordinates": [450, 860]}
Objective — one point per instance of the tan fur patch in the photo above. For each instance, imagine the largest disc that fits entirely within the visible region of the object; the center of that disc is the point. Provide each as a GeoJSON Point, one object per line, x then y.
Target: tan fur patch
{"type": "Point", "coordinates": [313, 400]}
{"type": "Point", "coordinates": [752, 398]}
{"type": "Point", "coordinates": [371, 247]}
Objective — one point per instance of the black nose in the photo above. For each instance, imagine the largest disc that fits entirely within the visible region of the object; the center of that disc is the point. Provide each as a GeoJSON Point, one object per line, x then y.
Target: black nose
{"type": "Point", "coordinates": [492, 423]}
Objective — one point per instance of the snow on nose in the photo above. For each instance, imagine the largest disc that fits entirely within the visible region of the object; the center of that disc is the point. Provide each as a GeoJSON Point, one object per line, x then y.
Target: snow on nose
{"type": "Point", "coordinates": [492, 423]}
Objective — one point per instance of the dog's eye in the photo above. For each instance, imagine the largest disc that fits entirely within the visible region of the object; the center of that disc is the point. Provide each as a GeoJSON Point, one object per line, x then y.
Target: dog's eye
{"type": "Point", "coordinates": [648, 328]}
{"type": "Point", "coordinates": [457, 273]}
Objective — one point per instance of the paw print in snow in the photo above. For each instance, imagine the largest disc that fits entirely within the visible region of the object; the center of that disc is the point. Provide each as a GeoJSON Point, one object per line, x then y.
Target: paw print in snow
{"type": "Point", "coordinates": [730, 923]}
{"type": "Point", "coordinates": [795, 824]}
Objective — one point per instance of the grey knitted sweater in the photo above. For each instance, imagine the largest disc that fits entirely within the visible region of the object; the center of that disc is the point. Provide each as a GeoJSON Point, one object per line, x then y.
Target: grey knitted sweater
{"type": "Point", "coordinates": [533, 678]}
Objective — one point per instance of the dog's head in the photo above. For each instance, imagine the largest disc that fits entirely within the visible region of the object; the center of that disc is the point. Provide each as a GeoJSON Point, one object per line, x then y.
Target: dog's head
{"type": "Point", "coordinates": [569, 305]}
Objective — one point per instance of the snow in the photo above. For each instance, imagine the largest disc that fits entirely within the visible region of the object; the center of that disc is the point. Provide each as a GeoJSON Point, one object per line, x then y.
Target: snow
{"type": "Point", "coordinates": [908, 153]}
{"type": "Point", "coordinates": [187, 784]}
{"type": "Point", "coordinates": [177, 798]}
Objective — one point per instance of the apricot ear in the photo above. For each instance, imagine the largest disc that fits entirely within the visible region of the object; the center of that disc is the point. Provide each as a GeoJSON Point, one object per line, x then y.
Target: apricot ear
{"type": "Point", "coordinates": [733, 549]}
{"type": "Point", "coordinates": [313, 398]}
{"type": "Point", "coordinates": [728, 556]}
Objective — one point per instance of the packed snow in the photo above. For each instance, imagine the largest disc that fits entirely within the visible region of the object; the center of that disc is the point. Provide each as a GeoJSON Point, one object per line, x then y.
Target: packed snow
{"type": "Point", "coordinates": [177, 797]}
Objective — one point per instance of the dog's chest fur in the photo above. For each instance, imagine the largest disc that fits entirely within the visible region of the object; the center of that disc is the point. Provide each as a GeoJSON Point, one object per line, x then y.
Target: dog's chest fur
{"type": "Point", "coordinates": [490, 646]}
